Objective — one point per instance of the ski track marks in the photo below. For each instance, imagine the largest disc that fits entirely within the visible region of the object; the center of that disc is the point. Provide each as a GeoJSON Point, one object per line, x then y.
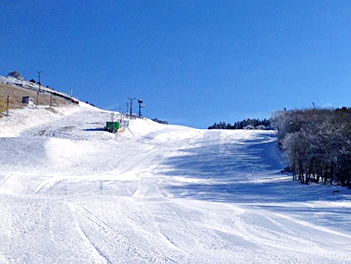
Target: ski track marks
{"type": "Point", "coordinates": [73, 193]}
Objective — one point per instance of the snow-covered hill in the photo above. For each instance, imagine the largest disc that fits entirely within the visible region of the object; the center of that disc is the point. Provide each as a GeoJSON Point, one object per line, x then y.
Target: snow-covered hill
{"type": "Point", "coordinates": [30, 85]}
{"type": "Point", "coordinates": [73, 193]}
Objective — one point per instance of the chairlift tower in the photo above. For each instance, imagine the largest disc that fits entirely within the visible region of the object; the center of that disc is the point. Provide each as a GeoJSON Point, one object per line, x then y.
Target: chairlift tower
{"type": "Point", "coordinates": [131, 106]}
{"type": "Point", "coordinates": [140, 106]}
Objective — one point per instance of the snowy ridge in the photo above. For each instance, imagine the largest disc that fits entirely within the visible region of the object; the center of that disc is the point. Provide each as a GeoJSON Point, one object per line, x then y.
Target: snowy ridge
{"type": "Point", "coordinates": [74, 193]}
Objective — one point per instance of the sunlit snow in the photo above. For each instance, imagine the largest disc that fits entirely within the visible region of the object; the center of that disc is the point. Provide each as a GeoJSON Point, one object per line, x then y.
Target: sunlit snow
{"type": "Point", "coordinates": [73, 193]}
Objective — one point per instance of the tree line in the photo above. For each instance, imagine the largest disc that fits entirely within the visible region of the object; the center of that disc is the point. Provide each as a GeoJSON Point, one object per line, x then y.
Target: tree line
{"type": "Point", "coordinates": [244, 124]}
{"type": "Point", "coordinates": [160, 121]}
{"type": "Point", "coordinates": [317, 144]}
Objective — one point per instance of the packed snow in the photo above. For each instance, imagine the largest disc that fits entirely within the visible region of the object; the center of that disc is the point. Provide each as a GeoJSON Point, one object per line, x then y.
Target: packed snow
{"type": "Point", "coordinates": [71, 192]}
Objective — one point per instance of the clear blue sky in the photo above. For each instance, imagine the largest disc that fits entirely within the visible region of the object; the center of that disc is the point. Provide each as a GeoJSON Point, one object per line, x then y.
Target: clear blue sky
{"type": "Point", "coordinates": [192, 62]}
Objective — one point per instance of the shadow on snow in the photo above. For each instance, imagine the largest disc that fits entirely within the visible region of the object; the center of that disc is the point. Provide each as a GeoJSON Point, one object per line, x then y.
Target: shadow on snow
{"type": "Point", "coordinates": [243, 172]}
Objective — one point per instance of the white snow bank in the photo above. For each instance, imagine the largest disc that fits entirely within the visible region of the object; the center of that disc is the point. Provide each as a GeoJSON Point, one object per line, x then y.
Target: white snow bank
{"type": "Point", "coordinates": [21, 119]}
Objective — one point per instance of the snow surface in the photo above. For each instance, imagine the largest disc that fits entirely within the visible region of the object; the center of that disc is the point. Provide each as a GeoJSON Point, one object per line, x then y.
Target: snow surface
{"type": "Point", "coordinates": [73, 193]}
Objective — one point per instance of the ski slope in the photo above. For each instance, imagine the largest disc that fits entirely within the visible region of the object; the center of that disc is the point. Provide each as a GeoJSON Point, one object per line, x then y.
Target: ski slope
{"type": "Point", "coordinates": [73, 193]}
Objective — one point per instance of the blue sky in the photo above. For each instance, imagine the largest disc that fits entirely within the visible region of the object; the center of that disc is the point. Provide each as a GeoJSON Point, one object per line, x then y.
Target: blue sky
{"type": "Point", "coordinates": [192, 62]}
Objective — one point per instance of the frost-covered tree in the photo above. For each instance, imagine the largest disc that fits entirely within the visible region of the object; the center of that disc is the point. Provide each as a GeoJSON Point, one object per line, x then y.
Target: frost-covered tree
{"type": "Point", "coordinates": [255, 123]}
{"type": "Point", "coordinates": [317, 144]}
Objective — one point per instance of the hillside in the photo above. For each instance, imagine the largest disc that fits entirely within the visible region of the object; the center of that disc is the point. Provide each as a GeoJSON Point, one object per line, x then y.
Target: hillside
{"type": "Point", "coordinates": [16, 92]}
{"type": "Point", "coordinates": [71, 192]}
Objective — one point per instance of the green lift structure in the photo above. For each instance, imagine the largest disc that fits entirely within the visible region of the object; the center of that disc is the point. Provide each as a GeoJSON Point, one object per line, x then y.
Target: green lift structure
{"type": "Point", "coordinates": [112, 126]}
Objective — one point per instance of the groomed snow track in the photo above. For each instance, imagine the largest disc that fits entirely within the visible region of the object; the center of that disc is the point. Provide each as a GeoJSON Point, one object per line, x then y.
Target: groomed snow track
{"type": "Point", "coordinates": [73, 193]}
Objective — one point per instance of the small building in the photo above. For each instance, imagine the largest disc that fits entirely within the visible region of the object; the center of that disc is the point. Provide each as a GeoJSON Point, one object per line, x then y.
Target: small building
{"type": "Point", "coordinates": [27, 100]}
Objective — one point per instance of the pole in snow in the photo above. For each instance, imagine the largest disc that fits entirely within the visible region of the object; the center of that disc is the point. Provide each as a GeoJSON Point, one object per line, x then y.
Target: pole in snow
{"type": "Point", "coordinates": [121, 110]}
{"type": "Point", "coordinates": [39, 72]}
{"type": "Point", "coordinates": [39, 82]}
{"type": "Point", "coordinates": [7, 105]}
{"type": "Point", "coordinates": [37, 101]}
